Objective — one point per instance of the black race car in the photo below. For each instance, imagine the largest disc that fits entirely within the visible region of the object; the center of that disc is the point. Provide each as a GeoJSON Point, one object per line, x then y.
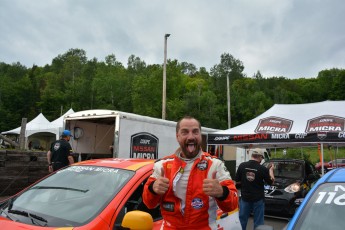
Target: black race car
{"type": "Point", "coordinates": [293, 180]}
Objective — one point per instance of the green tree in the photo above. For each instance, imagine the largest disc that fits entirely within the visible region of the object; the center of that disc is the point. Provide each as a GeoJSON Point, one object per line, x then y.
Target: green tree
{"type": "Point", "coordinates": [147, 92]}
{"type": "Point", "coordinates": [111, 85]}
{"type": "Point", "coordinates": [73, 81]}
{"type": "Point", "coordinates": [228, 67]}
{"type": "Point", "coordinates": [16, 95]}
{"type": "Point", "coordinates": [333, 83]}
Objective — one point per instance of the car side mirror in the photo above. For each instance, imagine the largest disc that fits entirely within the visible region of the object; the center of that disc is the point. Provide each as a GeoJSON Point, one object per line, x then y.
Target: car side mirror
{"type": "Point", "coordinates": [137, 220]}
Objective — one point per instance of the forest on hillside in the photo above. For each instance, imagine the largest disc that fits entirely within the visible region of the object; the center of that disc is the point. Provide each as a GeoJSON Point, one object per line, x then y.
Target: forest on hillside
{"type": "Point", "coordinates": [74, 81]}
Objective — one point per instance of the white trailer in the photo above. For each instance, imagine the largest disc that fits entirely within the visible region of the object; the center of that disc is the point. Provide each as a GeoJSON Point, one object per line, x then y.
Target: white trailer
{"type": "Point", "coordinates": [132, 135]}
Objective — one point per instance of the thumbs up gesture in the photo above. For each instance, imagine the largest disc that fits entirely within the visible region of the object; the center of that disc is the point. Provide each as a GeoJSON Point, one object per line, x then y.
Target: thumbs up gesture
{"type": "Point", "coordinates": [161, 184]}
{"type": "Point", "coordinates": [211, 187]}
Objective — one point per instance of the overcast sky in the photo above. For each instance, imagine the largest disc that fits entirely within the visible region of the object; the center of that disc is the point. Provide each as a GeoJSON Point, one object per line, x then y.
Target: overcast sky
{"type": "Point", "coordinates": [289, 38]}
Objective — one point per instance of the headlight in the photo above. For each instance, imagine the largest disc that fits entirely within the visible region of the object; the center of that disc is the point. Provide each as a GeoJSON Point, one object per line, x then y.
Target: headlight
{"type": "Point", "coordinates": [292, 188]}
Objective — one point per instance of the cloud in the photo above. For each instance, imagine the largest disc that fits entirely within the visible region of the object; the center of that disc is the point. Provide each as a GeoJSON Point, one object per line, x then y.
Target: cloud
{"type": "Point", "coordinates": [278, 38]}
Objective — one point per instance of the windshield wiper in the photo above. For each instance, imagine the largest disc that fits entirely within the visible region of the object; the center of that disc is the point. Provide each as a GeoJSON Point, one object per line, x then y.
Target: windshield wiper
{"type": "Point", "coordinates": [10, 203]}
{"type": "Point", "coordinates": [8, 215]}
{"type": "Point", "coordinates": [9, 206]}
{"type": "Point", "coordinates": [62, 188]}
{"type": "Point", "coordinates": [33, 217]}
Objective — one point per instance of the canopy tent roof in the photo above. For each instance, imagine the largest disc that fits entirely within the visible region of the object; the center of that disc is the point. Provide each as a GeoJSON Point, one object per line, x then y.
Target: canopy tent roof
{"type": "Point", "coordinates": [55, 126]}
{"type": "Point", "coordinates": [289, 125]}
{"type": "Point", "coordinates": [59, 121]}
{"type": "Point", "coordinates": [40, 124]}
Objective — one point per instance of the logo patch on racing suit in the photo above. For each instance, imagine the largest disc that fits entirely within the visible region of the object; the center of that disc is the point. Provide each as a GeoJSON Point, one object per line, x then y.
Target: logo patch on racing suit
{"type": "Point", "coordinates": [168, 206]}
{"type": "Point", "coordinates": [197, 203]}
{"type": "Point", "coordinates": [202, 165]}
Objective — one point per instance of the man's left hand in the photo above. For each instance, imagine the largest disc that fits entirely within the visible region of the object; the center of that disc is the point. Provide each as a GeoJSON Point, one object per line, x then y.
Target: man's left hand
{"type": "Point", "coordinates": [212, 188]}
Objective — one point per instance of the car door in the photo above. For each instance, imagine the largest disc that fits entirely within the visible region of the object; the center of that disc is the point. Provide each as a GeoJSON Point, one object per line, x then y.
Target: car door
{"type": "Point", "coordinates": [135, 202]}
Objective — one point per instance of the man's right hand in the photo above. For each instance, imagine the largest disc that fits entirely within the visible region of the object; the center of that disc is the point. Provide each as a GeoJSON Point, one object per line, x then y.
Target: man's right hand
{"type": "Point", "coordinates": [161, 184]}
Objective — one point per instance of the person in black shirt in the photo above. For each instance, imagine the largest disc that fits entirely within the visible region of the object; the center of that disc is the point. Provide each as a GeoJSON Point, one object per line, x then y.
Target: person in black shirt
{"type": "Point", "coordinates": [251, 177]}
{"type": "Point", "coordinates": [60, 153]}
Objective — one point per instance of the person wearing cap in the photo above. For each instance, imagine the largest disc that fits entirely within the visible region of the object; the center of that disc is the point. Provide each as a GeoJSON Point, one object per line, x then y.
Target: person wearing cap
{"type": "Point", "coordinates": [250, 178]}
{"type": "Point", "coordinates": [60, 153]}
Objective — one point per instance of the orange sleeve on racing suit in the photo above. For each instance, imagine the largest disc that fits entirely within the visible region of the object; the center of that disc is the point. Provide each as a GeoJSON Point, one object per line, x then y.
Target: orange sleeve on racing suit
{"type": "Point", "coordinates": [231, 201]}
{"type": "Point", "coordinates": [150, 198]}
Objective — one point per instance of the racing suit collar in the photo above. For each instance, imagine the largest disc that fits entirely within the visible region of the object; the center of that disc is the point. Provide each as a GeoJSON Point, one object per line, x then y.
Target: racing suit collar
{"type": "Point", "coordinates": [179, 155]}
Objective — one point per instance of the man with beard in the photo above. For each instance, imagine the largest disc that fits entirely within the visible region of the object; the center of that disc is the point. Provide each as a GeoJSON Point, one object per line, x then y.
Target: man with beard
{"type": "Point", "coordinates": [191, 184]}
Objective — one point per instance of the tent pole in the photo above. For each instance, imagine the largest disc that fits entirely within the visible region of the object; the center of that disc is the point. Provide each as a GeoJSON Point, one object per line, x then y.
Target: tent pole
{"type": "Point", "coordinates": [322, 164]}
{"type": "Point", "coordinates": [244, 157]}
{"type": "Point", "coordinates": [336, 152]}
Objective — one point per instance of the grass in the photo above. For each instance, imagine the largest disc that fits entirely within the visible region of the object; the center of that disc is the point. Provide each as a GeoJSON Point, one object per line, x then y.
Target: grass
{"type": "Point", "coordinates": [310, 153]}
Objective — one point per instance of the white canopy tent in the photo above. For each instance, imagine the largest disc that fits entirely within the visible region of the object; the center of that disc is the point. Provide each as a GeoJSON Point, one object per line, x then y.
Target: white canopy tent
{"type": "Point", "coordinates": [38, 123]}
{"type": "Point", "coordinates": [289, 125]}
{"type": "Point", "coordinates": [41, 128]}
{"type": "Point", "coordinates": [55, 126]}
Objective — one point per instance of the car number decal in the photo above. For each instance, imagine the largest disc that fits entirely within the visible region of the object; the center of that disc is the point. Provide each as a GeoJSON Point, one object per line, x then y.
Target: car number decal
{"type": "Point", "coordinates": [337, 197]}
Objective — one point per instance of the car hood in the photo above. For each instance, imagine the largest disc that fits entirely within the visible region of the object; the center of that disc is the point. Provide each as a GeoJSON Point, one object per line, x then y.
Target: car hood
{"type": "Point", "coordinates": [9, 224]}
{"type": "Point", "coordinates": [97, 223]}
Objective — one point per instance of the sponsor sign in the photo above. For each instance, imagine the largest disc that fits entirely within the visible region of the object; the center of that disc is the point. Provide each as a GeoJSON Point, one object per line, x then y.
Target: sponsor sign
{"type": "Point", "coordinates": [277, 130]}
{"type": "Point", "coordinates": [274, 125]}
{"type": "Point", "coordinates": [91, 169]}
{"type": "Point", "coordinates": [144, 145]}
{"type": "Point", "coordinates": [218, 139]}
{"type": "Point", "coordinates": [325, 124]}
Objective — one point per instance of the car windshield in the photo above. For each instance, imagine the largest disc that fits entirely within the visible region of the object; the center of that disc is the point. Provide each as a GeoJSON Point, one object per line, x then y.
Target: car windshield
{"type": "Point", "coordinates": [325, 209]}
{"type": "Point", "coordinates": [70, 197]}
{"type": "Point", "coordinates": [288, 169]}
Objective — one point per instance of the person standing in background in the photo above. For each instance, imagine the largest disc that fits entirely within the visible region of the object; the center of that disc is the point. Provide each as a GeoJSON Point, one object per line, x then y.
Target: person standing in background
{"type": "Point", "coordinates": [250, 178]}
{"type": "Point", "coordinates": [60, 153]}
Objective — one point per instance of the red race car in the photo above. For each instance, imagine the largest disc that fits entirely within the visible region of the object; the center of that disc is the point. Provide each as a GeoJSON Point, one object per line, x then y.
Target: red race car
{"type": "Point", "coordinates": [95, 194]}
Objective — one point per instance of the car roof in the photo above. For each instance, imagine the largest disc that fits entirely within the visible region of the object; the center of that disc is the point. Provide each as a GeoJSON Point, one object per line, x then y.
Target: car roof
{"type": "Point", "coordinates": [129, 164]}
{"type": "Point", "coordinates": [335, 175]}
